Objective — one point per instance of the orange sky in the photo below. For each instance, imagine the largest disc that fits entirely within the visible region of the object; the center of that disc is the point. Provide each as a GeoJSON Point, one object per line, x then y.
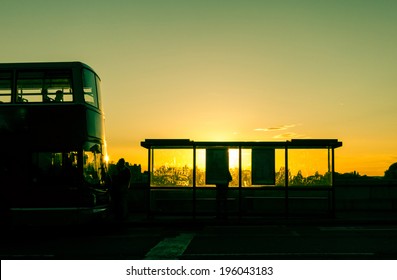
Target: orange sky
{"type": "Point", "coordinates": [227, 70]}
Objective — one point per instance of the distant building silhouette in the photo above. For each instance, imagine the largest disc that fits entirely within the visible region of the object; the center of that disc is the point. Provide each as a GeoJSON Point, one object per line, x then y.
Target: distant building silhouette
{"type": "Point", "coordinates": [391, 173]}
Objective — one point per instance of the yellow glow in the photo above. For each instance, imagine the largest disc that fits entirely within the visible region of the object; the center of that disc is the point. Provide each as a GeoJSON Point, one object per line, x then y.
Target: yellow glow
{"type": "Point", "coordinates": [233, 158]}
{"type": "Point", "coordinates": [200, 158]}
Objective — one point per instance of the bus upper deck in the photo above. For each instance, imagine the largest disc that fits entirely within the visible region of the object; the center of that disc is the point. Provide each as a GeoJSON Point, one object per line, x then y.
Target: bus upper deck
{"type": "Point", "coordinates": [69, 82]}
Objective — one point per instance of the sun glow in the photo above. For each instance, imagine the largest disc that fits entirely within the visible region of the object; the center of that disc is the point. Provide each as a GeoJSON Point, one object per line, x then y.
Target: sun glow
{"type": "Point", "coordinates": [106, 158]}
{"type": "Point", "coordinates": [233, 158]}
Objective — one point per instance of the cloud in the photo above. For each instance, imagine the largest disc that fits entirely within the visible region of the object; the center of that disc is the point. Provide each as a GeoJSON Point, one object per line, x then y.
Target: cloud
{"type": "Point", "coordinates": [286, 135]}
{"type": "Point", "coordinates": [290, 135]}
{"type": "Point", "coordinates": [276, 128]}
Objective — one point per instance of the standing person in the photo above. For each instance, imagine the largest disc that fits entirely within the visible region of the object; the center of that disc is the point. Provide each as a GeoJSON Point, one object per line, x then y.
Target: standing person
{"type": "Point", "coordinates": [120, 186]}
{"type": "Point", "coordinates": [221, 194]}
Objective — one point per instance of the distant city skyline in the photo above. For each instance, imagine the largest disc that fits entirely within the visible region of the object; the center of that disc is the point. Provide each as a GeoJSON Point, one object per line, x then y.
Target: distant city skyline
{"type": "Point", "coordinates": [227, 70]}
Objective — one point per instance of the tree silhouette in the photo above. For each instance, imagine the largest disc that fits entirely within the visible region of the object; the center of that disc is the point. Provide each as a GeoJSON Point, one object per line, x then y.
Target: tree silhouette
{"type": "Point", "coordinates": [183, 176]}
{"type": "Point", "coordinates": [298, 179]}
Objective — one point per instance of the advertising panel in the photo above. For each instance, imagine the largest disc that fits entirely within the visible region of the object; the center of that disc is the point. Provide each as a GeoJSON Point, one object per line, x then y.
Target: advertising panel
{"type": "Point", "coordinates": [263, 167]}
{"type": "Point", "coordinates": [217, 166]}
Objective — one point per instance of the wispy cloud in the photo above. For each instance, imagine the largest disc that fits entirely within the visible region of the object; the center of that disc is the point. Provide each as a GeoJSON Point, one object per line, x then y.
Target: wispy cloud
{"type": "Point", "coordinates": [290, 135]}
{"type": "Point", "coordinates": [276, 128]}
{"type": "Point", "coordinates": [286, 135]}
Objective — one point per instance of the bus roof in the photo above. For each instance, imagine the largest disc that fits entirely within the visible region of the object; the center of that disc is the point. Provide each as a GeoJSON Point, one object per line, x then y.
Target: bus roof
{"type": "Point", "coordinates": [44, 65]}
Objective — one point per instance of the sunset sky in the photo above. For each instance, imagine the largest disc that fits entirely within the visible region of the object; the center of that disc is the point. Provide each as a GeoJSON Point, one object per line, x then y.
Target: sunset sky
{"type": "Point", "coordinates": [227, 70]}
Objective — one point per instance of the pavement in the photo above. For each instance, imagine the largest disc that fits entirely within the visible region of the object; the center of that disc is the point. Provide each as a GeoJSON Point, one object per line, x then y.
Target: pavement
{"type": "Point", "coordinates": [340, 218]}
{"type": "Point", "coordinates": [348, 235]}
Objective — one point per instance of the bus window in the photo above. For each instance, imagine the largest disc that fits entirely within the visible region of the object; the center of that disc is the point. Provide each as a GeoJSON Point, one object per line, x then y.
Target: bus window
{"type": "Point", "coordinates": [90, 89]}
{"type": "Point", "coordinates": [98, 88]}
{"type": "Point", "coordinates": [41, 86]}
{"type": "Point", "coordinates": [5, 87]}
{"type": "Point", "coordinates": [93, 164]}
{"type": "Point", "coordinates": [54, 168]}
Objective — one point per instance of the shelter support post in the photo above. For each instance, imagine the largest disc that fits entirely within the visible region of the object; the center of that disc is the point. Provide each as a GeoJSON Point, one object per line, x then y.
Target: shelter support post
{"type": "Point", "coordinates": [286, 180]}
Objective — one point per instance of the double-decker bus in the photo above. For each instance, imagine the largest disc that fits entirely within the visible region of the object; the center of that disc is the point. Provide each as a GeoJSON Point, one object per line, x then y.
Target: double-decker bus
{"type": "Point", "coordinates": [52, 142]}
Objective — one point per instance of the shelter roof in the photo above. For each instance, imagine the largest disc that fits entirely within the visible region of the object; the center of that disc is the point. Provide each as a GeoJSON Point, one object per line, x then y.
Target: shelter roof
{"type": "Point", "coordinates": [187, 144]}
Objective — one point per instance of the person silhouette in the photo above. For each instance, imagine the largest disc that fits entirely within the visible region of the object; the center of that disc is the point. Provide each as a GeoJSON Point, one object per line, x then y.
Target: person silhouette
{"type": "Point", "coordinates": [46, 98]}
{"type": "Point", "coordinates": [221, 193]}
{"type": "Point", "coordinates": [120, 185]}
{"type": "Point", "coordinates": [59, 96]}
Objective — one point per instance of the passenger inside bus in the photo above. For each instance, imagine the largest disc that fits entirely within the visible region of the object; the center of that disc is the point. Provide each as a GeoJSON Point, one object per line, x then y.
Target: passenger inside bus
{"type": "Point", "coordinates": [59, 96]}
{"type": "Point", "coordinates": [46, 98]}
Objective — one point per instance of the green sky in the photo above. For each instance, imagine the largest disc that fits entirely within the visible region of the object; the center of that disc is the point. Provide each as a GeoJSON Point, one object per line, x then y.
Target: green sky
{"type": "Point", "coordinates": [227, 70]}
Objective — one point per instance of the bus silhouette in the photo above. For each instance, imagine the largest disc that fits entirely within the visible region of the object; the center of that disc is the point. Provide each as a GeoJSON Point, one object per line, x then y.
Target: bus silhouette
{"type": "Point", "coordinates": [52, 141]}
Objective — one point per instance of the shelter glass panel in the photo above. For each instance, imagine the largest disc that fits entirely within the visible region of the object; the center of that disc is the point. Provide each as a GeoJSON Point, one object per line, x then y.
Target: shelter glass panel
{"type": "Point", "coordinates": [309, 167]}
{"type": "Point", "coordinates": [172, 167]}
{"type": "Point", "coordinates": [200, 167]}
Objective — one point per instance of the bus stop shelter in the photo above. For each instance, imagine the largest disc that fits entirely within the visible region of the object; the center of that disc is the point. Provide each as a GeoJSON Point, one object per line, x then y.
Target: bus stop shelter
{"type": "Point", "coordinates": [257, 189]}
